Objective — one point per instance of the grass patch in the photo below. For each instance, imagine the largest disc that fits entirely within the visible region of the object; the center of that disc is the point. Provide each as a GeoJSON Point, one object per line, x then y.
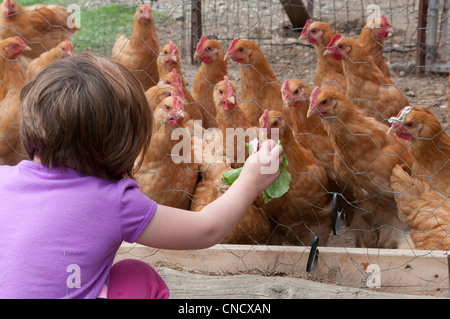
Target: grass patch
{"type": "Point", "coordinates": [99, 25]}
{"type": "Point", "coordinates": [99, 28]}
{"type": "Point", "coordinates": [64, 3]}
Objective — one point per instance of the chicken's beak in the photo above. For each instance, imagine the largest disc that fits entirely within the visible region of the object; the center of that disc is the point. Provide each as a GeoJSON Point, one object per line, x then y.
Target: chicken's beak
{"type": "Point", "coordinates": [312, 111]}
{"type": "Point", "coordinates": [327, 52]}
{"type": "Point", "coordinates": [27, 48]}
{"type": "Point", "coordinates": [231, 99]}
{"type": "Point", "coordinates": [389, 30]}
{"type": "Point", "coordinates": [303, 37]}
{"type": "Point", "coordinates": [177, 117]}
{"type": "Point", "coordinates": [179, 114]}
{"type": "Point", "coordinates": [392, 129]}
{"type": "Point", "coordinates": [197, 55]}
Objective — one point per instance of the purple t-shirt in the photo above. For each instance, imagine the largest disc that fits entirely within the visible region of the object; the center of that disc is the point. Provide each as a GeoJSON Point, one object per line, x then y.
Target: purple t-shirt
{"type": "Point", "coordinates": [60, 231]}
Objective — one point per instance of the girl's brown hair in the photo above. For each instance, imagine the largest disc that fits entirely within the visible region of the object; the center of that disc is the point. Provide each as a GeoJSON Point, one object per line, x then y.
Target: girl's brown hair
{"type": "Point", "coordinates": [89, 114]}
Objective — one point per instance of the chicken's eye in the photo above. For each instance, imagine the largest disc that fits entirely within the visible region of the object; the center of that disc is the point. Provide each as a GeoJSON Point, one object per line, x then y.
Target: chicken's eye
{"type": "Point", "coordinates": [165, 52]}
{"type": "Point", "coordinates": [324, 102]}
{"type": "Point", "coordinates": [296, 91]}
{"type": "Point", "coordinates": [220, 91]}
{"type": "Point", "coordinates": [208, 48]}
{"type": "Point", "coordinates": [14, 46]}
{"type": "Point", "coordinates": [340, 46]}
{"type": "Point", "coordinates": [167, 107]}
{"type": "Point", "coordinates": [241, 49]}
{"type": "Point", "coordinates": [313, 31]}
{"type": "Point", "coordinates": [275, 123]}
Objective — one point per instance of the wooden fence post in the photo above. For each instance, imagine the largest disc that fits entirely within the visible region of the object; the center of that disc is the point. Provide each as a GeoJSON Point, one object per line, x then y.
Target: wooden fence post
{"type": "Point", "coordinates": [296, 12]}
{"type": "Point", "coordinates": [421, 36]}
{"type": "Point", "coordinates": [196, 26]}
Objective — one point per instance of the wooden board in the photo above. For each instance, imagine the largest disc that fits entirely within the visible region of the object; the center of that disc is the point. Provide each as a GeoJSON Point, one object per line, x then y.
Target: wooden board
{"type": "Point", "coordinates": [413, 272]}
{"type": "Point", "coordinates": [187, 285]}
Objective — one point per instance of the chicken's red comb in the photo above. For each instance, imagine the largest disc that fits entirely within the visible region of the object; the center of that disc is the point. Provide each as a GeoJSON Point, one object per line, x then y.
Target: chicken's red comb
{"type": "Point", "coordinates": [385, 21]}
{"type": "Point", "coordinates": [313, 97]}
{"type": "Point", "coordinates": [8, 4]}
{"type": "Point", "coordinates": [305, 28]}
{"type": "Point", "coordinates": [334, 39]}
{"type": "Point", "coordinates": [201, 43]}
{"type": "Point", "coordinates": [175, 75]}
{"type": "Point", "coordinates": [176, 101]}
{"type": "Point", "coordinates": [176, 84]}
{"type": "Point", "coordinates": [173, 48]}
{"type": "Point", "coordinates": [69, 46]}
{"type": "Point", "coordinates": [146, 8]}
{"type": "Point", "coordinates": [228, 86]}
{"type": "Point", "coordinates": [20, 40]}
{"type": "Point", "coordinates": [265, 119]}
{"type": "Point", "coordinates": [232, 45]}
{"type": "Point", "coordinates": [287, 93]}
{"type": "Point", "coordinates": [387, 24]}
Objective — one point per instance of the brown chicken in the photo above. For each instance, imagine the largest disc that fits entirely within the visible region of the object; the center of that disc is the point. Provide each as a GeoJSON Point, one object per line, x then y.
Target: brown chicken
{"type": "Point", "coordinates": [157, 93]}
{"type": "Point", "coordinates": [375, 93]}
{"type": "Point", "coordinates": [372, 38]}
{"type": "Point", "coordinates": [164, 175]}
{"type": "Point", "coordinates": [305, 210]}
{"type": "Point", "coordinates": [425, 210]}
{"type": "Point", "coordinates": [232, 122]}
{"type": "Point", "coordinates": [175, 79]}
{"type": "Point", "coordinates": [169, 59]}
{"type": "Point", "coordinates": [61, 51]}
{"type": "Point", "coordinates": [140, 51]}
{"type": "Point", "coordinates": [328, 70]}
{"type": "Point", "coordinates": [429, 145]}
{"type": "Point", "coordinates": [260, 88]}
{"type": "Point", "coordinates": [12, 77]}
{"type": "Point", "coordinates": [254, 227]}
{"type": "Point", "coordinates": [42, 26]}
{"type": "Point", "coordinates": [366, 156]}
{"type": "Point", "coordinates": [310, 132]}
{"type": "Point", "coordinates": [212, 70]}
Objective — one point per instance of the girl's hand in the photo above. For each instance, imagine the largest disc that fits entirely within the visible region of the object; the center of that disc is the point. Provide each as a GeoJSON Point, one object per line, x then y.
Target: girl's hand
{"type": "Point", "coordinates": [262, 168]}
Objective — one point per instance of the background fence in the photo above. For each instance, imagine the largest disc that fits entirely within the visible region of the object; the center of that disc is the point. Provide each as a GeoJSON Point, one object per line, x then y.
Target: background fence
{"type": "Point", "coordinates": [268, 24]}
{"type": "Point", "coordinates": [417, 54]}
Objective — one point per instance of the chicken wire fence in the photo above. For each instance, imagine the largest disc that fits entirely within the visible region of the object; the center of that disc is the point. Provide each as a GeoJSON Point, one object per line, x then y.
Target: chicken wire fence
{"type": "Point", "coordinates": [268, 24]}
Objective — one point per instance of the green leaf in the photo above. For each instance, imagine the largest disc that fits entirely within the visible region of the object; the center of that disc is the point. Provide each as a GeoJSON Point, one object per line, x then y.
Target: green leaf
{"type": "Point", "coordinates": [279, 187]}
{"type": "Point", "coordinates": [230, 176]}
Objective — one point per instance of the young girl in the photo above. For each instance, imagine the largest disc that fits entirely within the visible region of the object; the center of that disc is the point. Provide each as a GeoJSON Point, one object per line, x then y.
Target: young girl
{"type": "Point", "coordinates": [65, 212]}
